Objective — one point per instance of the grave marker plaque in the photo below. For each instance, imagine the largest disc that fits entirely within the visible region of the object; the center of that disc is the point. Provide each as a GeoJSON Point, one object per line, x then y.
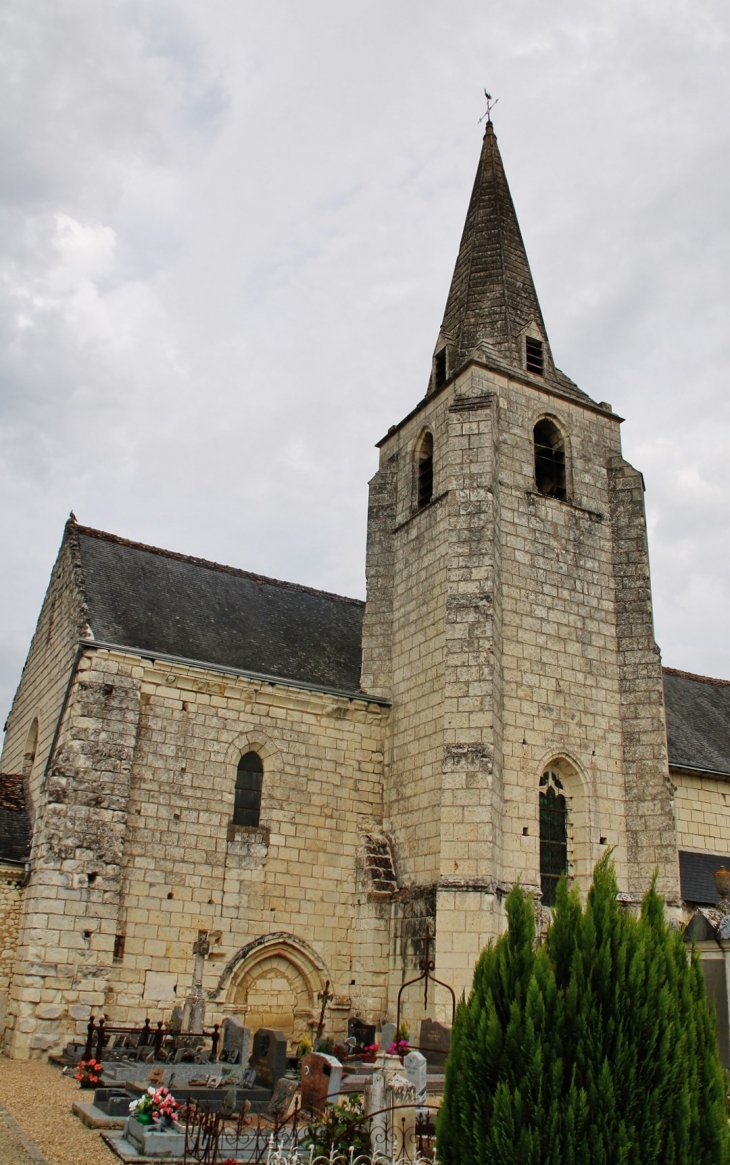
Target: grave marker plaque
{"type": "Point", "coordinates": [416, 1070]}
{"type": "Point", "coordinates": [282, 1097]}
{"type": "Point", "coordinates": [364, 1033]}
{"type": "Point", "coordinates": [236, 1041]}
{"type": "Point", "coordinates": [268, 1056]}
{"type": "Point", "coordinates": [321, 1079]}
{"type": "Point", "coordinates": [435, 1041]}
{"type": "Point", "coordinates": [387, 1035]}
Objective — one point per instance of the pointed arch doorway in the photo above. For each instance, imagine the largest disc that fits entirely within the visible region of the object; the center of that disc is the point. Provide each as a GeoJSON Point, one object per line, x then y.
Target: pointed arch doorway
{"type": "Point", "coordinates": [274, 983]}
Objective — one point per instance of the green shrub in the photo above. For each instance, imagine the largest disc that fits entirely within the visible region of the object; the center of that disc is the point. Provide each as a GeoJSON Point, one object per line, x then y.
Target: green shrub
{"type": "Point", "coordinates": [595, 1047]}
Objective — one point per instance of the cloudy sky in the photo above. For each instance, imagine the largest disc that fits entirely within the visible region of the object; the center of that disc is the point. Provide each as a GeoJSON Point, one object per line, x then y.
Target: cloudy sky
{"type": "Point", "coordinates": [227, 233]}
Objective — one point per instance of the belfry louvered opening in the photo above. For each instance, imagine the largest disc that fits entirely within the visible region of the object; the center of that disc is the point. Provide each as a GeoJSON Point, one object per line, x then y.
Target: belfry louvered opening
{"type": "Point", "coordinates": [549, 460]}
{"type": "Point", "coordinates": [534, 355]}
{"type": "Point", "coordinates": [249, 782]}
{"type": "Point", "coordinates": [439, 369]}
{"type": "Point", "coordinates": [424, 470]}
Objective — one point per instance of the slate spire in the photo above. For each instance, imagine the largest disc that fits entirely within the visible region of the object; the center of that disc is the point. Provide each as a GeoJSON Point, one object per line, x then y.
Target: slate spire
{"type": "Point", "coordinates": [492, 304]}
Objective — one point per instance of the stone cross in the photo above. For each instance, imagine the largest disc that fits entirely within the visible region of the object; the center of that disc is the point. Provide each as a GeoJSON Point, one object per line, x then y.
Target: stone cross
{"type": "Point", "coordinates": [193, 1019]}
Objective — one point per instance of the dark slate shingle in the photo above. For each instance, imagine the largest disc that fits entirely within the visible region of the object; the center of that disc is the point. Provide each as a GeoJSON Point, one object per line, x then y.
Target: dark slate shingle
{"type": "Point", "coordinates": [14, 820]}
{"type": "Point", "coordinates": [698, 721]}
{"type": "Point", "coordinates": [696, 873]}
{"type": "Point", "coordinates": [167, 603]}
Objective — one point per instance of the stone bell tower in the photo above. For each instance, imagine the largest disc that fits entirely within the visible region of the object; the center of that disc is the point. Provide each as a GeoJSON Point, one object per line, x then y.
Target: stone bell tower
{"type": "Point", "coordinates": [509, 618]}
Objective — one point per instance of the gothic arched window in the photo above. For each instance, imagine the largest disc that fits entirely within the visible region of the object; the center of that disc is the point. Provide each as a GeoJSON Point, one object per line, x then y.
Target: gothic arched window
{"type": "Point", "coordinates": [31, 744]}
{"type": "Point", "coordinates": [553, 835]}
{"type": "Point", "coordinates": [549, 459]}
{"type": "Point", "coordinates": [249, 780]}
{"type": "Point", "coordinates": [424, 470]}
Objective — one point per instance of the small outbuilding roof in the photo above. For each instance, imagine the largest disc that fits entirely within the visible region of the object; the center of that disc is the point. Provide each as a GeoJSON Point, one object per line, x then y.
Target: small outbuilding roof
{"type": "Point", "coordinates": [698, 721]}
{"type": "Point", "coordinates": [161, 602]}
{"type": "Point", "coordinates": [14, 820]}
{"type": "Point", "coordinates": [696, 876]}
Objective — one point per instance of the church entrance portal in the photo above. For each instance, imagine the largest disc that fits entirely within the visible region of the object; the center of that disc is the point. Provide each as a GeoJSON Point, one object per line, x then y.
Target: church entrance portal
{"type": "Point", "coordinates": [276, 988]}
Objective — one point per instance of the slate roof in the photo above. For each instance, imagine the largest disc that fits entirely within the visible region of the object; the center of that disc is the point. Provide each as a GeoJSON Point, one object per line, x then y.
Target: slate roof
{"type": "Point", "coordinates": [696, 873]}
{"type": "Point", "coordinates": [160, 602]}
{"type": "Point", "coordinates": [698, 721]}
{"type": "Point", "coordinates": [492, 297]}
{"type": "Point", "coordinates": [14, 820]}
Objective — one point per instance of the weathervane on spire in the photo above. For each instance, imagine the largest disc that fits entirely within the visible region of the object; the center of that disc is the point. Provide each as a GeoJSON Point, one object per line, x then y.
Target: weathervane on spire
{"type": "Point", "coordinates": [490, 106]}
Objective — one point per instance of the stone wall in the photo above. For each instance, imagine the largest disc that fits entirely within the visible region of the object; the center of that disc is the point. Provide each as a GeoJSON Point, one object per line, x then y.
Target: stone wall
{"type": "Point", "coordinates": [62, 620]}
{"type": "Point", "coordinates": [11, 900]}
{"type": "Point", "coordinates": [702, 809]}
{"type": "Point", "coordinates": [135, 851]}
{"type": "Point", "coordinates": [521, 636]}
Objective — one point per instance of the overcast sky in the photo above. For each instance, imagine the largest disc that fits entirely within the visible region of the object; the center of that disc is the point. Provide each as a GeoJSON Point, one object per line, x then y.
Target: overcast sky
{"type": "Point", "coordinates": [228, 229]}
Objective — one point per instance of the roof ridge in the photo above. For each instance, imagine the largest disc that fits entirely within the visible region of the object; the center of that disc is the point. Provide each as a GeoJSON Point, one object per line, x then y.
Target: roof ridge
{"type": "Point", "coordinates": [105, 536]}
{"type": "Point", "coordinates": [688, 675]}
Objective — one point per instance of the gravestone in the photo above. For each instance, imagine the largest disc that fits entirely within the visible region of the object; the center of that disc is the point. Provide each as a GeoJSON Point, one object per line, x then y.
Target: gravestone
{"type": "Point", "coordinates": [113, 1101]}
{"type": "Point", "coordinates": [416, 1069]}
{"type": "Point", "coordinates": [435, 1041]}
{"type": "Point", "coordinates": [364, 1033]}
{"type": "Point", "coordinates": [387, 1035]}
{"type": "Point", "coordinates": [282, 1097]}
{"type": "Point", "coordinates": [321, 1079]}
{"type": "Point", "coordinates": [268, 1056]}
{"type": "Point", "coordinates": [175, 1025]}
{"type": "Point", "coordinates": [236, 1042]}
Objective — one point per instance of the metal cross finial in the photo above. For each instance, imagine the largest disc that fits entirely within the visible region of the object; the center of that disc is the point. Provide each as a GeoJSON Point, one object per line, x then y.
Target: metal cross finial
{"type": "Point", "coordinates": [326, 996]}
{"type": "Point", "coordinates": [490, 106]}
{"type": "Point", "coordinates": [427, 966]}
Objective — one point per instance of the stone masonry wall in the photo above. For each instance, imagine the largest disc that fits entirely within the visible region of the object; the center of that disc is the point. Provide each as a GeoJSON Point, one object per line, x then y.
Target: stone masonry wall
{"type": "Point", "coordinates": [11, 900]}
{"type": "Point", "coordinates": [562, 706]}
{"type": "Point", "coordinates": [72, 900]}
{"type": "Point", "coordinates": [702, 809]}
{"type": "Point", "coordinates": [61, 622]}
{"type": "Point", "coordinates": [135, 851]}
{"type": "Point", "coordinates": [186, 867]}
{"type": "Point", "coordinates": [651, 838]}
{"type": "Point", "coordinates": [540, 609]}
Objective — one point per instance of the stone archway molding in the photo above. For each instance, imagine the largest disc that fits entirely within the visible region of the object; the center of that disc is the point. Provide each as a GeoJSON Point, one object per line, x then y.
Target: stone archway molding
{"type": "Point", "coordinates": [269, 944]}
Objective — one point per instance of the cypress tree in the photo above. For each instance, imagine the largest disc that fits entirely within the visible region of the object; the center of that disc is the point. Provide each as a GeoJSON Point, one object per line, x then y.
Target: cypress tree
{"type": "Point", "coordinates": [595, 1047]}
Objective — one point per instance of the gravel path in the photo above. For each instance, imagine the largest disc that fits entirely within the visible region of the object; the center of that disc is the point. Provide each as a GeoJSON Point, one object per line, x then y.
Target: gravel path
{"type": "Point", "coordinates": [11, 1151]}
{"type": "Point", "coordinates": [40, 1098]}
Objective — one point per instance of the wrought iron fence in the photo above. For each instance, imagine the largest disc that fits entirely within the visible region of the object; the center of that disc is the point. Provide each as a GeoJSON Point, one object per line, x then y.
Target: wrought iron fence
{"type": "Point", "coordinates": [398, 1135]}
{"type": "Point", "coordinates": [99, 1030]}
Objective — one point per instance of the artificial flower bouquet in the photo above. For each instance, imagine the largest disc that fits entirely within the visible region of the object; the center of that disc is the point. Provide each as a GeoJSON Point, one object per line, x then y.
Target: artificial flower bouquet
{"type": "Point", "coordinates": [399, 1048]}
{"type": "Point", "coordinates": [157, 1104]}
{"type": "Point", "coordinates": [89, 1073]}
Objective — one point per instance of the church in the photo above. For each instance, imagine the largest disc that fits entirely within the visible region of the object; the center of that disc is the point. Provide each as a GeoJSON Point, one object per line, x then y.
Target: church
{"type": "Point", "coordinates": [313, 783]}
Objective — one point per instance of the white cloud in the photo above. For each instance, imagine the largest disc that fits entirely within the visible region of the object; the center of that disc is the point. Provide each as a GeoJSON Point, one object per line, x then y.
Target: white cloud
{"type": "Point", "coordinates": [227, 235]}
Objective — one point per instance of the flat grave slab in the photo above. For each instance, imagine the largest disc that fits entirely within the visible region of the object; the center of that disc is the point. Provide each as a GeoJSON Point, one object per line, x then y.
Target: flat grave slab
{"type": "Point", "coordinates": [96, 1118]}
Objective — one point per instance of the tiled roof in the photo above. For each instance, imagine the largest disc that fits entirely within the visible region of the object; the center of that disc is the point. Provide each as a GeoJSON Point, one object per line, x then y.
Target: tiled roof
{"type": "Point", "coordinates": [698, 721]}
{"type": "Point", "coordinates": [14, 820]}
{"type": "Point", "coordinates": [157, 601]}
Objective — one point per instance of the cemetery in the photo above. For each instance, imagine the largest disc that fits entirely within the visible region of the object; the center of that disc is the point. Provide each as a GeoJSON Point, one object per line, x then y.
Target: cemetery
{"type": "Point", "coordinates": [175, 1091]}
